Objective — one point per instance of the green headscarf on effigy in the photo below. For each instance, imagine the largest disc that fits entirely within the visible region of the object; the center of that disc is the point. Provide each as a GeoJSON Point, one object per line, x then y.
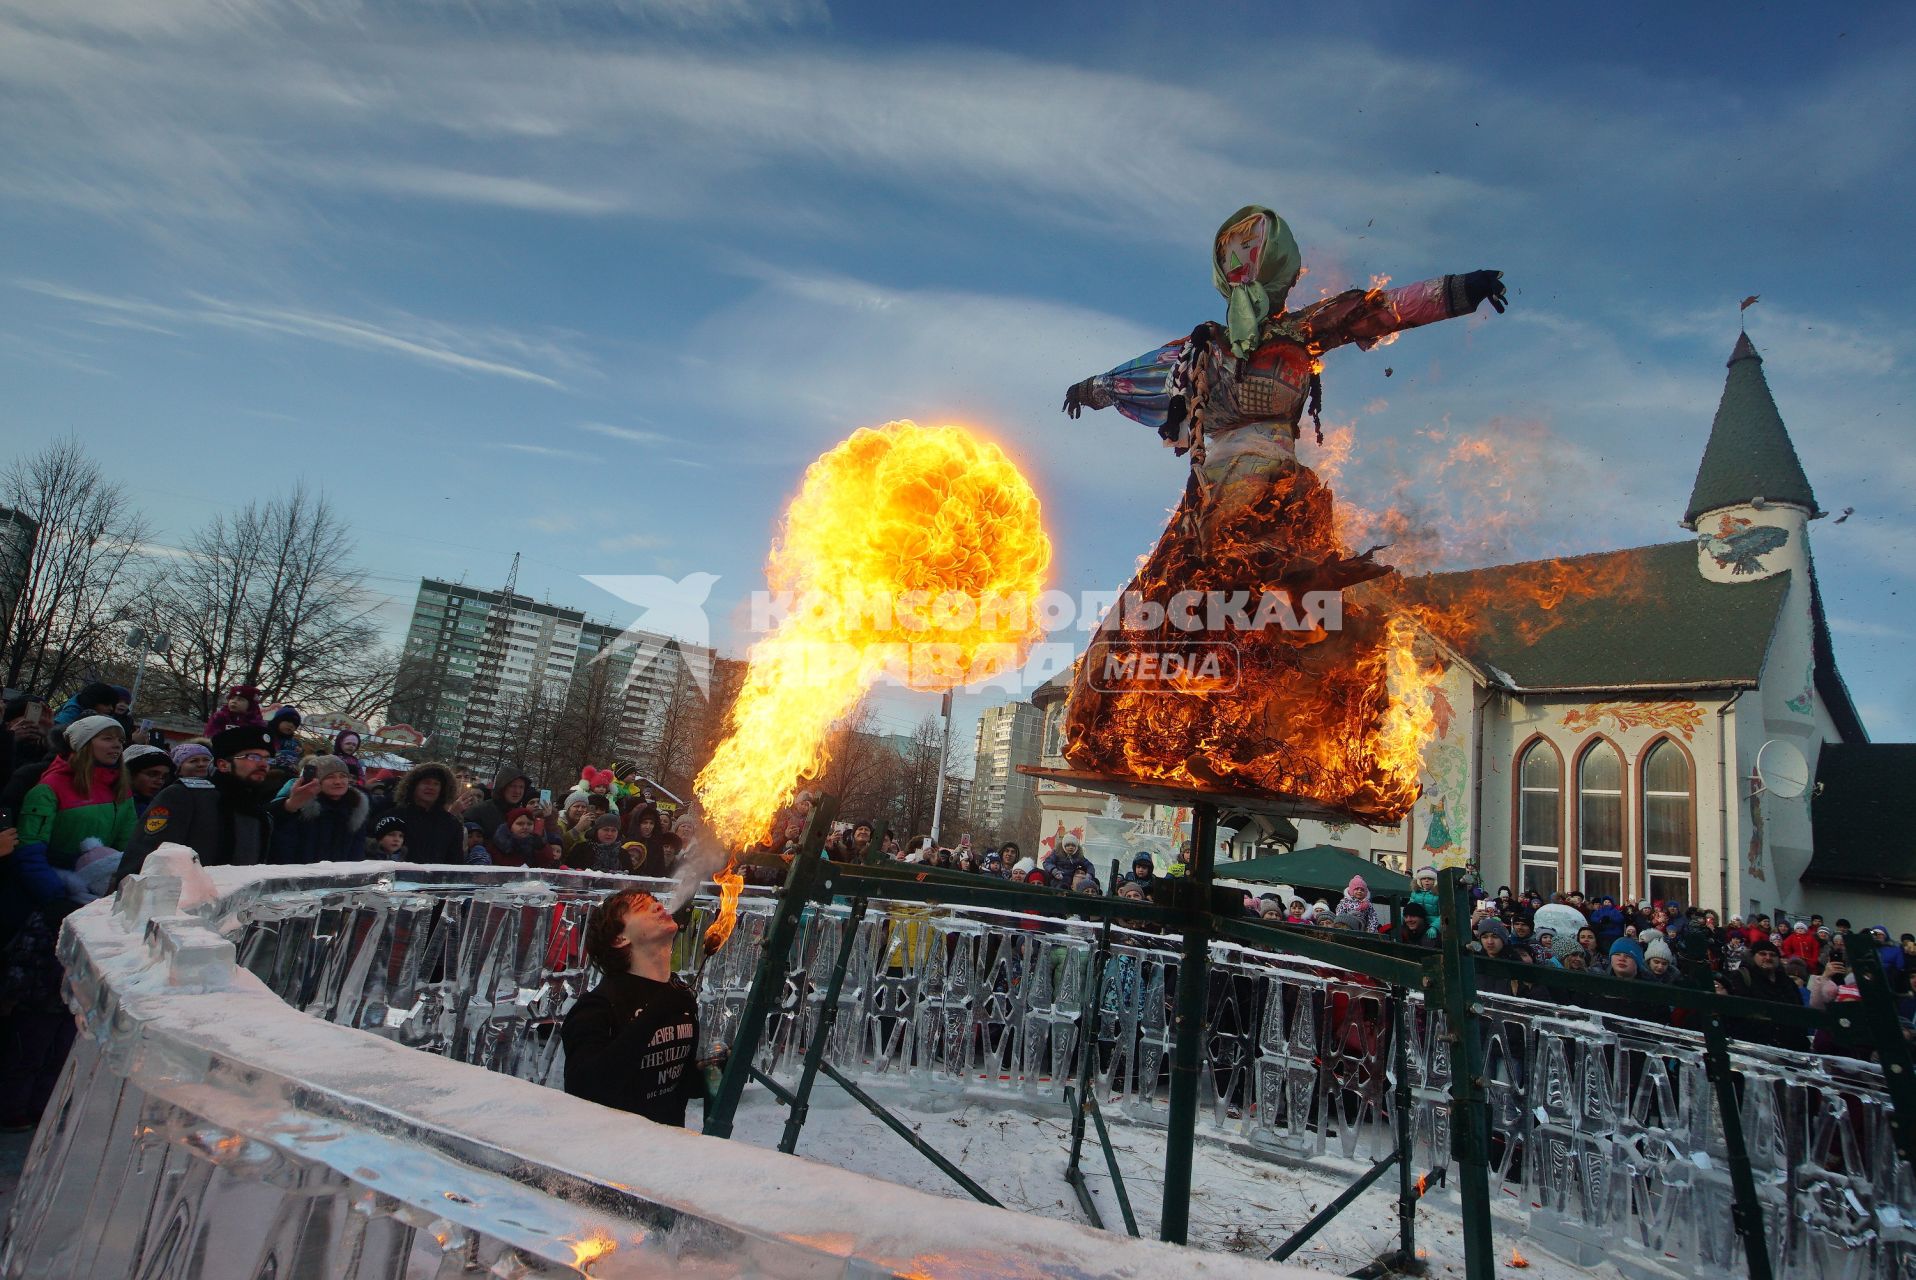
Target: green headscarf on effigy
{"type": "Point", "coordinates": [1254, 263]}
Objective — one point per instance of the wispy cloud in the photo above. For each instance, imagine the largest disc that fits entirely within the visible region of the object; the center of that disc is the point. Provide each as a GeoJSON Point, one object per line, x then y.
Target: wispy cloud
{"type": "Point", "coordinates": [556, 523]}
{"type": "Point", "coordinates": [632, 542]}
{"type": "Point", "coordinates": [459, 186]}
{"type": "Point", "coordinates": [632, 435]}
{"type": "Point", "coordinates": [540, 450]}
{"type": "Point", "coordinates": [407, 336]}
{"type": "Point", "coordinates": [1812, 341]}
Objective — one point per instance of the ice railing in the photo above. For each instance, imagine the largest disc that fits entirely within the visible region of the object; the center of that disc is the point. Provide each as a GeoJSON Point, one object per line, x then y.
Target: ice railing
{"type": "Point", "coordinates": [1603, 1129]}
{"type": "Point", "coordinates": [203, 1129]}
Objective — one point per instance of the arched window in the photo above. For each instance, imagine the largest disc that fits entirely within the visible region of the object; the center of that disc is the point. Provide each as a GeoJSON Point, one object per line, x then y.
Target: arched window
{"type": "Point", "coordinates": [1600, 821]}
{"type": "Point", "coordinates": [1669, 824]}
{"type": "Point", "coordinates": [1540, 819]}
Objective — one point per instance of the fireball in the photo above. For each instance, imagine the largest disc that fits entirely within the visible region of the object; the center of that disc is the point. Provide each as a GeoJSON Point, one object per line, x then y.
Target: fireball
{"type": "Point", "coordinates": [913, 550]}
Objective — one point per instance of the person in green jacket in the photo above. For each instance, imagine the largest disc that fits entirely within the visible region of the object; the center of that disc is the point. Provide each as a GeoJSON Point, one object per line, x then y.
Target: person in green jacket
{"type": "Point", "coordinates": [83, 795]}
{"type": "Point", "coordinates": [1425, 884]}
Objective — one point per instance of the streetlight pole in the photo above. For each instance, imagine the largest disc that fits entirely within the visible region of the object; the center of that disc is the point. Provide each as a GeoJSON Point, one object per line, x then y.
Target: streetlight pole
{"type": "Point", "coordinates": [944, 764]}
{"type": "Point", "coordinates": [143, 643]}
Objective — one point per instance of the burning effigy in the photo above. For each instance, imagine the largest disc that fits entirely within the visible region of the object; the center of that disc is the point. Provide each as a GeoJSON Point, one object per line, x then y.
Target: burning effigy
{"type": "Point", "coordinates": [1235, 660]}
{"type": "Point", "coordinates": [918, 551]}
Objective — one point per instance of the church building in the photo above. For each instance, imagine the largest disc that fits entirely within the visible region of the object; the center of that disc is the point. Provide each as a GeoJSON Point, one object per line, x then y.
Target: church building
{"type": "Point", "coordinates": [1664, 722]}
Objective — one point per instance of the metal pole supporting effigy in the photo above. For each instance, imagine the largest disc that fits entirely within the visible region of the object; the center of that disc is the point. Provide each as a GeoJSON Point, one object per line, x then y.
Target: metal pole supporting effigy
{"type": "Point", "coordinates": [1187, 1049]}
{"type": "Point", "coordinates": [1469, 1114]}
{"type": "Point", "coordinates": [774, 956]}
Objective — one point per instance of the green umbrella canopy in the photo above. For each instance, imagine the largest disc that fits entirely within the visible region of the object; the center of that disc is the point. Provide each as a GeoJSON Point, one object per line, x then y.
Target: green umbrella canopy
{"type": "Point", "coordinates": [1325, 868]}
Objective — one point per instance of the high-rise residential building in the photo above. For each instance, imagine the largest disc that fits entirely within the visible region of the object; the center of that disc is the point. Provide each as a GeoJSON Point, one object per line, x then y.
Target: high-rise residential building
{"type": "Point", "coordinates": [1004, 802]}
{"type": "Point", "coordinates": [550, 654]}
{"type": "Point", "coordinates": [18, 534]}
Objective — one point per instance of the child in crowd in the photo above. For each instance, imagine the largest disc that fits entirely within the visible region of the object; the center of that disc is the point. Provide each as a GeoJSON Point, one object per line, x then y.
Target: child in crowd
{"type": "Point", "coordinates": [346, 747]}
{"type": "Point", "coordinates": [599, 850]}
{"type": "Point", "coordinates": [389, 838]}
{"type": "Point", "coordinates": [240, 709]}
{"type": "Point", "coordinates": [518, 842]}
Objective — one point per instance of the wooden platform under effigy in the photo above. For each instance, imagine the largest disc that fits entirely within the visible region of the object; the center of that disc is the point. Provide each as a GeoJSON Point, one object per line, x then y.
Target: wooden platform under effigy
{"type": "Point", "coordinates": [1271, 804]}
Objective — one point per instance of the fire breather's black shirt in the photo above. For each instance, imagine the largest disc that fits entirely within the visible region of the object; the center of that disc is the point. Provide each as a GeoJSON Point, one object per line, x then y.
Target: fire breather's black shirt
{"type": "Point", "coordinates": [629, 1043]}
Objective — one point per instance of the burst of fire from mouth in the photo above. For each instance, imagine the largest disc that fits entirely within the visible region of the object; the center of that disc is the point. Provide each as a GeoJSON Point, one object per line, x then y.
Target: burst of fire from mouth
{"type": "Point", "coordinates": [909, 549]}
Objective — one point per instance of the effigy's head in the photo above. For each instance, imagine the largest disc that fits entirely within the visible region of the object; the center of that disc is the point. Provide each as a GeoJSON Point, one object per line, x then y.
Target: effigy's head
{"type": "Point", "coordinates": [1254, 263]}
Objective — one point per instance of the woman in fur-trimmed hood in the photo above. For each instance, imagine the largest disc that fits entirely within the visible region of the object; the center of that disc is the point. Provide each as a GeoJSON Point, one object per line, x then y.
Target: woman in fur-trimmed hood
{"type": "Point", "coordinates": [434, 833]}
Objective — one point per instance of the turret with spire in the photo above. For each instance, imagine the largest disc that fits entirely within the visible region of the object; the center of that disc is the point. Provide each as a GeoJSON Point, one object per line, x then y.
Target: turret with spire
{"type": "Point", "coordinates": [1751, 503]}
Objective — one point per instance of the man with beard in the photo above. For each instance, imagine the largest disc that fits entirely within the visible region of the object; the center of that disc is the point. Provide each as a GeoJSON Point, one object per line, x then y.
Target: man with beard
{"type": "Point", "coordinates": [224, 819]}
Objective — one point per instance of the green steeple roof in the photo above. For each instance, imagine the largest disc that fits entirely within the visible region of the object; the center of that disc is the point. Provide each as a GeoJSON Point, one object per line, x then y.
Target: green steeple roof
{"type": "Point", "coordinates": [1749, 454]}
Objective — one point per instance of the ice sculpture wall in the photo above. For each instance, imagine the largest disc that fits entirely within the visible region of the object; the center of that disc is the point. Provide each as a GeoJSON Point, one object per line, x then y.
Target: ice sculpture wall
{"type": "Point", "coordinates": [1603, 1129]}
{"type": "Point", "coordinates": [206, 1128]}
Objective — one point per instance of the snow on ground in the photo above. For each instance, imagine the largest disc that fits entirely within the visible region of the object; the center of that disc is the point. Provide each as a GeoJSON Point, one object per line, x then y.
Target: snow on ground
{"type": "Point", "coordinates": [1241, 1201]}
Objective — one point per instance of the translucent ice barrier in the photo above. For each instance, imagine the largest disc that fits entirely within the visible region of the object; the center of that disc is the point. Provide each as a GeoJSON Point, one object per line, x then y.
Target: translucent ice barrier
{"type": "Point", "coordinates": [1604, 1130]}
{"type": "Point", "coordinates": [205, 1127]}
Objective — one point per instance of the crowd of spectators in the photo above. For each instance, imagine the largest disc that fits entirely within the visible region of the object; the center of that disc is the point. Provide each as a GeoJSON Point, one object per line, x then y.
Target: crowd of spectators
{"type": "Point", "coordinates": [86, 796]}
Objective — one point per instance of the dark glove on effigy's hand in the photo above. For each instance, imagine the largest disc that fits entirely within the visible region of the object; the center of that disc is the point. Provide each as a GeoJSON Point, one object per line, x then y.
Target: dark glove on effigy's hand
{"type": "Point", "coordinates": [1479, 285]}
{"type": "Point", "coordinates": [1078, 398]}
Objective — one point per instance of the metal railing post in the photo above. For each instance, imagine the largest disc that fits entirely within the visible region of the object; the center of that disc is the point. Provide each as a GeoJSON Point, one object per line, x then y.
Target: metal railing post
{"type": "Point", "coordinates": [768, 983]}
{"type": "Point", "coordinates": [1407, 1195]}
{"type": "Point", "coordinates": [822, 1034]}
{"type": "Point", "coordinates": [1746, 1211]}
{"type": "Point", "coordinates": [1885, 1031]}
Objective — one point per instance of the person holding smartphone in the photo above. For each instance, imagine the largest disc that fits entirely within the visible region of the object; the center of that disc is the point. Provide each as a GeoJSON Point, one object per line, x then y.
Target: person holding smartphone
{"type": "Point", "coordinates": [24, 748]}
{"type": "Point", "coordinates": [322, 814]}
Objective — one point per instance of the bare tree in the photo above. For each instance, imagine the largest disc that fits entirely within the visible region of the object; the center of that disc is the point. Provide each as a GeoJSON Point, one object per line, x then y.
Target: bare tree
{"type": "Point", "coordinates": [590, 719]}
{"type": "Point", "coordinates": [679, 726]}
{"type": "Point", "coordinates": [268, 597]}
{"type": "Point", "coordinates": [918, 777]}
{"type": "Point", "coordinates": [364, 686]}
{"type": "Point", "coordinates": [78, 575]}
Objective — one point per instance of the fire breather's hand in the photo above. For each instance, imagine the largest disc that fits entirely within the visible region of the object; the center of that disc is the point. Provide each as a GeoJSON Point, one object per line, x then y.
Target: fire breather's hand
{"type": "Point", "coordinates": [1479, 285]}
{"type": "Point", "coordinates": [1079, 398]}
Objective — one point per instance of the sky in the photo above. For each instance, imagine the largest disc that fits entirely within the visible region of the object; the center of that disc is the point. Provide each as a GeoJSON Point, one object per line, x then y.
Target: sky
{"type": "Point", "coordinates": [593, 281]}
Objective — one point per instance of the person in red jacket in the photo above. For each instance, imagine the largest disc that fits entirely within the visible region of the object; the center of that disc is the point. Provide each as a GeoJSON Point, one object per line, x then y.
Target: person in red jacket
{"type": "Point", "coordinates": [1802, 945]}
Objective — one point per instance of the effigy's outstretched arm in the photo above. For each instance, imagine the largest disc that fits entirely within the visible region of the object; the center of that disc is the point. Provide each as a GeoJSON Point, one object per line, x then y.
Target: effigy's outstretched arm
{"type": "Point", "coordinates": [1367, 316]}
{"type": "Point", "coordinates": [1139, 389]}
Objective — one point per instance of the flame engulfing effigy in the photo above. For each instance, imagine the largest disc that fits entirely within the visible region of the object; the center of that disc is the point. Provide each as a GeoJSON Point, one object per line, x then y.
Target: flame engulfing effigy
{"type": "Point", "coordinates": [1331, 703]}
{"type": "Point", "coordinates": [913, 550]}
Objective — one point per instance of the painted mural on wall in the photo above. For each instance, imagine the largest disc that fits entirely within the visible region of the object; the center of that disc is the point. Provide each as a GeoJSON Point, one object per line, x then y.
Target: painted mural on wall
{"type": "Point", "coordinates": [1739, 544]}
{"type": "Point", "coordinates": [1443, 811]}
{"type": "Point", "coordinates": [1681, 718]}
{"type": "Point", "coordinates": [1803, 703]}
{"type": "Point", "coordinates": [1754, 855]}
